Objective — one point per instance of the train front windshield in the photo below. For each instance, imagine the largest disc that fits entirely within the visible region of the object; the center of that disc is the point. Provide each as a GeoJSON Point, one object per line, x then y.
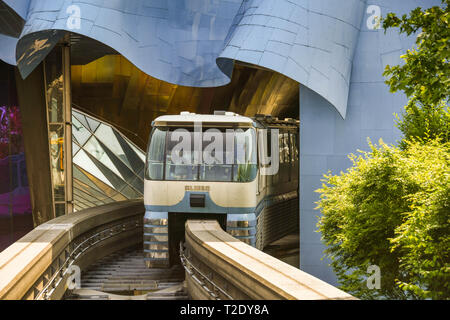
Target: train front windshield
{"type": "Point", "coordinates": [180, 154]}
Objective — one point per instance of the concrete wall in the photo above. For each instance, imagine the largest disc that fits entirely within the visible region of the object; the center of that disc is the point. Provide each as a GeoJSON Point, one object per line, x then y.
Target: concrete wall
{"type": "Point", "coordinates": [327, 139]}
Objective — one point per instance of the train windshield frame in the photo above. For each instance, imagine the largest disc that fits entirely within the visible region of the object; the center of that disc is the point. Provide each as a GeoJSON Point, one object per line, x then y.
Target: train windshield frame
{"type": "Point", "coordinates": [228, 154]}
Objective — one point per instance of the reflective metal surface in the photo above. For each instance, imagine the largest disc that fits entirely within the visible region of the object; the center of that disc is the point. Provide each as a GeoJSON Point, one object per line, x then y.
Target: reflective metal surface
{"type": "Point", "coordinates": [115, 90]}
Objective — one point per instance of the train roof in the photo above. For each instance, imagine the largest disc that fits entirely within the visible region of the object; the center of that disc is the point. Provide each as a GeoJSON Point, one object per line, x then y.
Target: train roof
{"type": "Point", "coordinates": [223, 117]}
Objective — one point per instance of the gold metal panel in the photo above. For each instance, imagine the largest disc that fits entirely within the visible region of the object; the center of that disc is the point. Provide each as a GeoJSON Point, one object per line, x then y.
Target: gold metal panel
{"type": "Point", "coordinates": [114, 90]}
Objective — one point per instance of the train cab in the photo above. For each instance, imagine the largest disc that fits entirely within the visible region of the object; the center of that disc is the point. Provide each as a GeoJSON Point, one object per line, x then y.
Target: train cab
{"type": "Point", "coordinates": [240, 171]}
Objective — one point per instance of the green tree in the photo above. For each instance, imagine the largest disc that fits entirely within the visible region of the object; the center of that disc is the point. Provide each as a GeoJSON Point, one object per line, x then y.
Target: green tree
{"type": "Point", "coordinates": [390, 209]}
{"type": "Point", "coordinates": [425, 75]}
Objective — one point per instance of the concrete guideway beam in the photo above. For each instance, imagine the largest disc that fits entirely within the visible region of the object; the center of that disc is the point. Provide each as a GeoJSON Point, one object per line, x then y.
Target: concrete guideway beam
{"type": "Point", "coordinates": [35, 267]}
{"type": "Point", "coordinates": [245, 272]}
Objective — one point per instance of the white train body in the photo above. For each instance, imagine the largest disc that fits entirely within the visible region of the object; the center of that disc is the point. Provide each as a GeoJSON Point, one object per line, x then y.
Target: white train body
{"type": "Point", "coordinates": [253, 207]}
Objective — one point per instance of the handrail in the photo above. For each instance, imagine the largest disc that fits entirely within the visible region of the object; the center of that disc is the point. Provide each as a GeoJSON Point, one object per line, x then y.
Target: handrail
{"type": "Point", "coordinates": [37, 266]}
{"type": "Point", "coordinates": [217, 262]}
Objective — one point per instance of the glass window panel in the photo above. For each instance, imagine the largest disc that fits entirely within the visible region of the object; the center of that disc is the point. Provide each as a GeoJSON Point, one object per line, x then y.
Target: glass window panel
{"type": "Point", "coordinates": [130, 193]}
{"type": "Point", "coordinates": [80, 201]}
{"type": "Point", "coordinates": [138, 151]}
{"type": "Point", "coordinates": [185, 170]}
{"type": "Point", "coordinates": [126, 173]}
{"type": "Point", "coordinates": [156, 154]}
{"type": "Point", "coordinates": [79, 131]}
{"type": "Point", "coordinates": [118, 197]}
{"type": "Point", "coordinates": [87, 196]}
{"type": "Point", "coordinates": [83, 161]}
{"type": "Point", "coordinates": [245, 143]}
{"type": "Point", "coordinates": [94, 148]}
{"type": "Point", "coordinates": [85, 188]}
{"type": "Point", "coordinates": [75, 148]}
{"type": "Point", "coordinates": [106, 135]}
{"type": "Point", "coordinates": [281, 147]}
{"type": "Point", "coordinates": [216, 172]}
{"type": "Point", "coordinates": [137, 183]}
{"type": "Point", "coordinates": [117, 182]}
{"type": "Point", "coordinates": [135, 162]}
{"type": "Point", "coordinates": [287, 156]}
{"type": "Point", "coordinates": [54, 85]}
{"type": "Point", "coordinates": [93, 124]}
{"type": "Point", "coordinates": [110, 192]}
{"type": "Point", "coordinates": [77, 207]}
{"type": "Point", "coordinates": [56, 137]}
{"type": "Point", "coordinates": [294, 154]}
{"type": "Point", "coordinates": [75, 113]}
{"type": "Point", "coordinates": [60, 209]}
{"type": "Point", "coordinates": [214, 166]}
{"type": "Point", "coordinates": [82, 119]}
{"type": "Point", "coordinates": [245, 167]}
{"type": "Point", "coordinates": [79, 175]}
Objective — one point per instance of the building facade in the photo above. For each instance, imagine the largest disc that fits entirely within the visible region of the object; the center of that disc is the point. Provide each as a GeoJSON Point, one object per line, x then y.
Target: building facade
{"type": "Point", "coordinates": [317, 60]}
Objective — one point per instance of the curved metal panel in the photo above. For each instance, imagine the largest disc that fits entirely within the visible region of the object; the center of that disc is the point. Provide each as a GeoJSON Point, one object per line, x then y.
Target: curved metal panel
{"type": "Point", "coordinates": [7, 49]}
{"type": "Point", "coordinates": [173, 40]}
{"type": "Point", "coordinates": [19, 6]}
{"type": "Point", "coordinates": [195, 43]}
{"type": "Point", "coordinates": [309, 41]}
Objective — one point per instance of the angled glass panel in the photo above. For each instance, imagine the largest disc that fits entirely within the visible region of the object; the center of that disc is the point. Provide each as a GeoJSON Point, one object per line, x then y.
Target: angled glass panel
{"type": "Point", "coordinates": [95, 149]}
{"type": "Point", "coordinates": [110, 192]}
{"type": "Point", "coordinates": [130, 193]}
{"type": "Point", "coordinates": [138, 152]}
{"type": "Point", "coordinates": [137, 183]}
{"type": "Point", "coordinates": [93, 124]}
{"type": "Point", "coordinates": [79, 131]}
{"type": "Point", "coordinates": [83, 161]}
{"type": "Point", "coordinates": [81, 118]}
{"type": "Point", "coordinates": [79, 175]}
{"type": "Point", "coordinates": [87, 189]}
{"type": "Point", "coordinates": [106, 135]}
{"type": "Point", "coordinates": [136, 162]}
{"type": "Point", "coordinates": [56, 137]}
{"type": "Point", "coordinates": [87, 196]}
{"type": "Point", "coordinates": [75, 148]}
{"type": "Point", "coordinates": [81, 201]}
{"type": "Point", "coordinates": [126, 173]}
{"type": "Point", "coordinates": [116, 182]}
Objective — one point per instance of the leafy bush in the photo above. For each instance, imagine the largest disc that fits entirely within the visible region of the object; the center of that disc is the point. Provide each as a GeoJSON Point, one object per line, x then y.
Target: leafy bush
{"type": "Point", "coordinates": [424, 77]}
{"type": "Point", "coordinates": [390, 209]}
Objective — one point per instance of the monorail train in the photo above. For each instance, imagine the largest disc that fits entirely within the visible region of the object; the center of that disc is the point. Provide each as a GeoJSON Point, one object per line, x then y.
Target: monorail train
{"type": "Point", "coordinates": [215, 167]}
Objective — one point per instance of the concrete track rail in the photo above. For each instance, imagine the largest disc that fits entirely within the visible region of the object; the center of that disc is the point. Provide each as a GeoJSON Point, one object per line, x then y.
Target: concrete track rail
{"type": "Point", "coordinates": [219, 266]}
{"type": "Point", "coordinates": [40, 264]}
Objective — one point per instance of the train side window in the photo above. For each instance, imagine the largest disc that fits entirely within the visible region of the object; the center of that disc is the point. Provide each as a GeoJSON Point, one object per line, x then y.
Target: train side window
{"type": "Point", "coordinates": [281, 147]}
{"type": "Point", "coordinates": [155, 155]}
{"type": "Point", "coordinates": [293, 147]}
{"type": "Point", "coordinates": [287, 150]}
{"type": "Point", "coordinates": [296, 147]}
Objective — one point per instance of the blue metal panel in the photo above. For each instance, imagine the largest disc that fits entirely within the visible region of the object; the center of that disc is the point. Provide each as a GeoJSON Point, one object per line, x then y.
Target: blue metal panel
{"type": "Point", "coordinates": [19, 6]}
{"type": "Point", "coordinates": [151, 34]}
{"type": "Point", "coordinates": [326, 139]}
{"type": "Point", "coordinates": [312, 42]}
{"type": "Point", "coordinates": [7, 49]}
{"type": "Point", "coordinates": [195, 43]}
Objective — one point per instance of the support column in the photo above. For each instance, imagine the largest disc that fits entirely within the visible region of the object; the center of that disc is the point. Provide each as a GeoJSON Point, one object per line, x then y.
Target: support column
{"type": "Point", "coordinates": [67, 99]}
{"type": "Point", "coordinates": [59, 118]}
{"type": "Point", "coordinates": [31, 95]}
